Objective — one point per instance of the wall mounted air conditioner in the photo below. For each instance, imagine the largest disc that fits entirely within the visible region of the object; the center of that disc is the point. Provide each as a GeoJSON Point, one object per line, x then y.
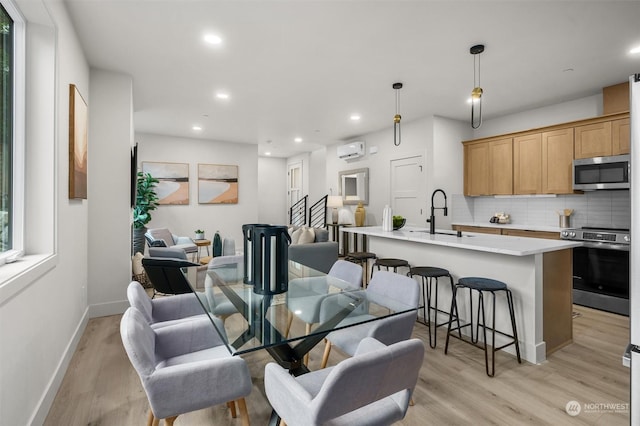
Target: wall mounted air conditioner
{"type": "Point", "coordinates": [351, 150]}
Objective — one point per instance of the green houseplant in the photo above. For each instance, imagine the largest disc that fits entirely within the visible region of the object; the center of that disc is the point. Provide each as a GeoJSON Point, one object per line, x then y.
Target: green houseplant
{"type": "Point", "coordinates": [146, 201]}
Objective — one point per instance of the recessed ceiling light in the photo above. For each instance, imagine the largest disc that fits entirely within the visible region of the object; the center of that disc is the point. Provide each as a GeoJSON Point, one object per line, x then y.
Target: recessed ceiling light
{"type": "Point", "coordinates": [221, 95]}
{"type": "Point", "coordinates": [298, 140]}
{"type": "Point", "coordinates": [267, 153]}
{"type": "Point", "coordinates": [355, 117]}
{"type": "Point", "coordinates": [213, 39]}
{"type": "Point", "coordinates": [635, 50]}
{"type": "Point", "coordinates": [197, 128]}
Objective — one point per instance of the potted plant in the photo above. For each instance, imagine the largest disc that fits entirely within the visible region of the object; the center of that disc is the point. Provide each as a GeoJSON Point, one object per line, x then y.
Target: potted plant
{"type": "Point", "coordinates": [199, 234]}
{"type": "Point", "coordinates": [146, 201]}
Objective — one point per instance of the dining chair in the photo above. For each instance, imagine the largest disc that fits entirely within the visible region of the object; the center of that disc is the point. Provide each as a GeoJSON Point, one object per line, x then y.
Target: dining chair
{"type": "Point", "coordinates": [305, 295]}
{"type": "Point", "coordinates": [218, 304]}
{"type": "Point", "coordinates": [165, 311]}
{"type": "Point", "coordinates": [184, 367]}
{"type": "Point", "coordinates": [373, 387]}
{"type": "Point", "coordinates": [385, 289]}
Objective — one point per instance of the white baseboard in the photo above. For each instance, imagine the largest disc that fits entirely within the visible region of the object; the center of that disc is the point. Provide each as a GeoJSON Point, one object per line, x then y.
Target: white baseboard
{"type": "Point", "coordinates": [107, 309]}
{"type": "Point", "coordinates": [40, 414]}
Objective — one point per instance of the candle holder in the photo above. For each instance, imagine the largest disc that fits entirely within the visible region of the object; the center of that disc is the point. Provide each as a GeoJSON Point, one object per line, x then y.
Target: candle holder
{"type": "Point", "coordinates": [270, 247]}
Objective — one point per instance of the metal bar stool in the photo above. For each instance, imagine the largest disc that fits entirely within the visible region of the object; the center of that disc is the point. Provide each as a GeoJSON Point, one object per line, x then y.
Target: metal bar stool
{"type": "Point", "coordinates": [390, 263]}
{"type": "Point", "coordinates": [482, 285]}
{"type": "Point", "coordinates": [362, 258]}
{"type": "Point", "coordinates": [428, 274]}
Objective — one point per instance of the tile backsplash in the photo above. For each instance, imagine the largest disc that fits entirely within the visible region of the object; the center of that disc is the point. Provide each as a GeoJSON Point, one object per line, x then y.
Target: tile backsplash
{"type": "Point", "coordinates": [608, 209]}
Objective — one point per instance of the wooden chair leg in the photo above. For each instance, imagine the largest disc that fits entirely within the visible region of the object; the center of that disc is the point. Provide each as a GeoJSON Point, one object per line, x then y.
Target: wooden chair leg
{"type": "Point", "coordinates": [306, 356]}
{"type": "Point", "coordinates": [289, 321]}
{"type": "Point", "coordinates": [244, 413]}
{"type": "Point", "coordinates": [325, 357]}
{"type": "Point", "coordinates": [156, 422]}
{"type": "Point", "coordinates": [150, 418]}
{"type": "Point", "coordinates": [169, 420]}
{"type": "Point", "coordinates": [282, 423]}
{"type": "Point", "coordinates": [232, 408]}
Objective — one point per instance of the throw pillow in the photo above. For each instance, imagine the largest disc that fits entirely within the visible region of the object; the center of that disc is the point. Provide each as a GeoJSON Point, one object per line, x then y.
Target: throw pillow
{"type": "Point", "coordinates": [295, 236]}
{"type": "Point", "coordinates": [322, 235]}
{"type": "Point", "coordinates": [307, 236]}
{"type": "Point", "coordinates": [158, 243]}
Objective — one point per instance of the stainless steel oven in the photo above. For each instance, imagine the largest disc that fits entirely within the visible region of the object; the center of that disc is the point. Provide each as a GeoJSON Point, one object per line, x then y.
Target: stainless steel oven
{"type": "Point", "coordinates": [601, 268]}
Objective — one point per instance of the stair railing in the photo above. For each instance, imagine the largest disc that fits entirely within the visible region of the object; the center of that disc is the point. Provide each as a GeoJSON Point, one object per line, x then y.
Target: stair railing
{"type": "Point", "coordinates": [298, 212]}
{"type": "Point", "coordinates": [318, 213]}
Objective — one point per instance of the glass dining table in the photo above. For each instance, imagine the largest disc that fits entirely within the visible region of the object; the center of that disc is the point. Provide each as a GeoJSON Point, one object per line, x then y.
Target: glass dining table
{"type": "Point", "coordinates": [272, 322]}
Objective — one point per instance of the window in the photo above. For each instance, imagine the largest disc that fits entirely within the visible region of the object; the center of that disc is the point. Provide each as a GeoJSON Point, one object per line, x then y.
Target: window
{"type": "Point", "coordinates": [6, 128]}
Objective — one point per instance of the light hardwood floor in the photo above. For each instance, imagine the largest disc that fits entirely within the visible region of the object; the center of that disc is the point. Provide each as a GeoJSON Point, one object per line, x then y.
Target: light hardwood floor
{"type": "Point", "coordinates": [101, 388]}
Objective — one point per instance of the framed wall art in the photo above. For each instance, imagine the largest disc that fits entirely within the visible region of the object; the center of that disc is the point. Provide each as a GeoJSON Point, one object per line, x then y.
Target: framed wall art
{"type": "Point", "coordinates": [217, 184]}
{"type": "Point", "coordinates": [78, 136]}
{"type": "Point", "coordinates": [173, 185]}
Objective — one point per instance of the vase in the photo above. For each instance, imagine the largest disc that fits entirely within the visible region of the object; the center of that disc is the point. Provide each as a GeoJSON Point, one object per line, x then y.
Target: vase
{"type": "Point", "coordinates": [217, 244]}
{"type": "Point", "coordinates": [360, 214]}
{"type": "Point", "coordinates": [199, 235]}
{"type": "Point", "coordinates": [137, 240]}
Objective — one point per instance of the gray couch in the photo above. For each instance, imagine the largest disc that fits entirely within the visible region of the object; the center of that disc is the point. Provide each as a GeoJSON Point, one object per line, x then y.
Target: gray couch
{"type": "Point", "coordinates": [319, 255]}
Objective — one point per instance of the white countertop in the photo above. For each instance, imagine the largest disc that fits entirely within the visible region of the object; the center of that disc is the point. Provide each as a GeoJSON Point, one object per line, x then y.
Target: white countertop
{"type": "Point", "coordinates": [511, 226]}
{"type": "Point", "coordinates": [502, 244]}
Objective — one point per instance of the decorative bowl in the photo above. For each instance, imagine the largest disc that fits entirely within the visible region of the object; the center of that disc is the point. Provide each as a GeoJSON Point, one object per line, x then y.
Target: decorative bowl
{"type": "Point", "coordinates": [399, 225]}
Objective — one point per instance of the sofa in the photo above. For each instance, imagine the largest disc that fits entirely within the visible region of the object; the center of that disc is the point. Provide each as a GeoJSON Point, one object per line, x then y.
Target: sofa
{"type": "Point", "coordinates": [311, 247]}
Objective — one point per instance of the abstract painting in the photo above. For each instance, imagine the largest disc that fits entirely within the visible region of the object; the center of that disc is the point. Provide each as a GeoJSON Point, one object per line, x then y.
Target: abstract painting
{"type": "Point", "coordinates": [173, 185]}
{"type": "Point", "coordinates": [217, 184]}
{"type": "Point", "coordinates": [78, 116]}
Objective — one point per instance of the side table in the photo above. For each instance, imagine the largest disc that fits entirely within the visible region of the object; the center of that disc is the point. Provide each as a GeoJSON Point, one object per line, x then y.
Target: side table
{"type": "Point", "coordinates": [200, 244]}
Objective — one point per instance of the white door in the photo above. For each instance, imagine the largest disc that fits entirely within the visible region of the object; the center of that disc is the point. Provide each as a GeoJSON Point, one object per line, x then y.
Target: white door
{"type": "Point", "coordinates": [408, 190]}
{"type": "Point", "coordinates": [294, 191]}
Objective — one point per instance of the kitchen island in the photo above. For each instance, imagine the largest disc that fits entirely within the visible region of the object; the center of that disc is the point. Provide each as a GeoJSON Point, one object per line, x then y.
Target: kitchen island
{"type": "Point", "coordinates": [538, 272]}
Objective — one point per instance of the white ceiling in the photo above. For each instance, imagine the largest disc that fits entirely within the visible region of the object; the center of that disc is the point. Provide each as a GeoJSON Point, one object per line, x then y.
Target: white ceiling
{"type": "Point", "coordinates": [301, 68]}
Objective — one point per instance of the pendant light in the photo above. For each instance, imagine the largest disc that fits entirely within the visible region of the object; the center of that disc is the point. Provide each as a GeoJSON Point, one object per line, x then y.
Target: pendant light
{"type": "Point", "coordinates": [397, 117]}
{"type": "Point", "coordinates": [476, 93]}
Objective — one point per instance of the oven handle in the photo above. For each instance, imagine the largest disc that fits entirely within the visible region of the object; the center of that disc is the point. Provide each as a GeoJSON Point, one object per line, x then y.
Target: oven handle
{"type": "Point", "coordinates": [605, 246]}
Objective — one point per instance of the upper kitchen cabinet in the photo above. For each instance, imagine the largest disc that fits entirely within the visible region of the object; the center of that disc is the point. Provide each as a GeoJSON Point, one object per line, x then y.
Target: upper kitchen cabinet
{"type": "Point", "coordinates": [527, 164]}
{"type": "Point", "coordinates": [620, 137]}
{"type": "Point", "coordinates": [593, 140]}
{"type": "Point", "coordinates": [488, 167]}
{"type": "Point", "coordinates": [557, 161]}
{"type": "Point", "coordinates": [602, 138]}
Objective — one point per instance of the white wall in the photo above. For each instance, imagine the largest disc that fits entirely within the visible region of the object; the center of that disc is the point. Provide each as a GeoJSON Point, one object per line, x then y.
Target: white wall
{"type": "Point", "coordinates": [109, 201]}
{"type": "Point", "coordinates": [437, 139]}
{"type": "Point", "coordinates": [446, 163]}
{"type": "Point", "coordinates": [41, 324]}
{"type": "Point", "coordinates": [185, 219]}
{"type": "Point", "coordinates": [272, 190]}
{"type": "Point", "coordinates": [587, 107]}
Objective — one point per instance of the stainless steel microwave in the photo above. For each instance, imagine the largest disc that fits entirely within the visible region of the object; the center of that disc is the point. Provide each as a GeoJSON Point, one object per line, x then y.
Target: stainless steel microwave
{"type": "Point", "coordinates": [601, 173]}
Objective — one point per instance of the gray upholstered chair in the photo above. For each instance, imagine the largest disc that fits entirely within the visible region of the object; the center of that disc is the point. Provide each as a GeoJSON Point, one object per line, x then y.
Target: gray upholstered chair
{"type": "Point", "coordinates": [184, 367]}
{"type": "Point", "coordinates": [218, 304]}
{"type": "Point", "coordinates": [305, 295]}
{"type": "Point", "coordinates": [384, 289]}
{"type": "Point", "coordinates": [166, 311]}
{"type": "Point", "coordinates": [170, 240]}
{"type": "Point", "coordinates": [372, 388]}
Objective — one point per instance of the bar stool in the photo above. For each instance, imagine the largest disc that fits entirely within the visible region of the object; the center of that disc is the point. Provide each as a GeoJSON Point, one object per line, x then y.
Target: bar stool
{"type": "Point", "coordinates": [482, 285]}
{"type": "Point", "coordinates": [362, 259]}
{"type": "Point", "coordinates": [428, 274]}
{"type": "Point", "coordinates": [390, 263]}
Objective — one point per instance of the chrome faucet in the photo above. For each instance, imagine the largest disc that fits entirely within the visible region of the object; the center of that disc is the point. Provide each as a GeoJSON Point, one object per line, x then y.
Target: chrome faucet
{"type": "Point", "coordinates": [432, 218]}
